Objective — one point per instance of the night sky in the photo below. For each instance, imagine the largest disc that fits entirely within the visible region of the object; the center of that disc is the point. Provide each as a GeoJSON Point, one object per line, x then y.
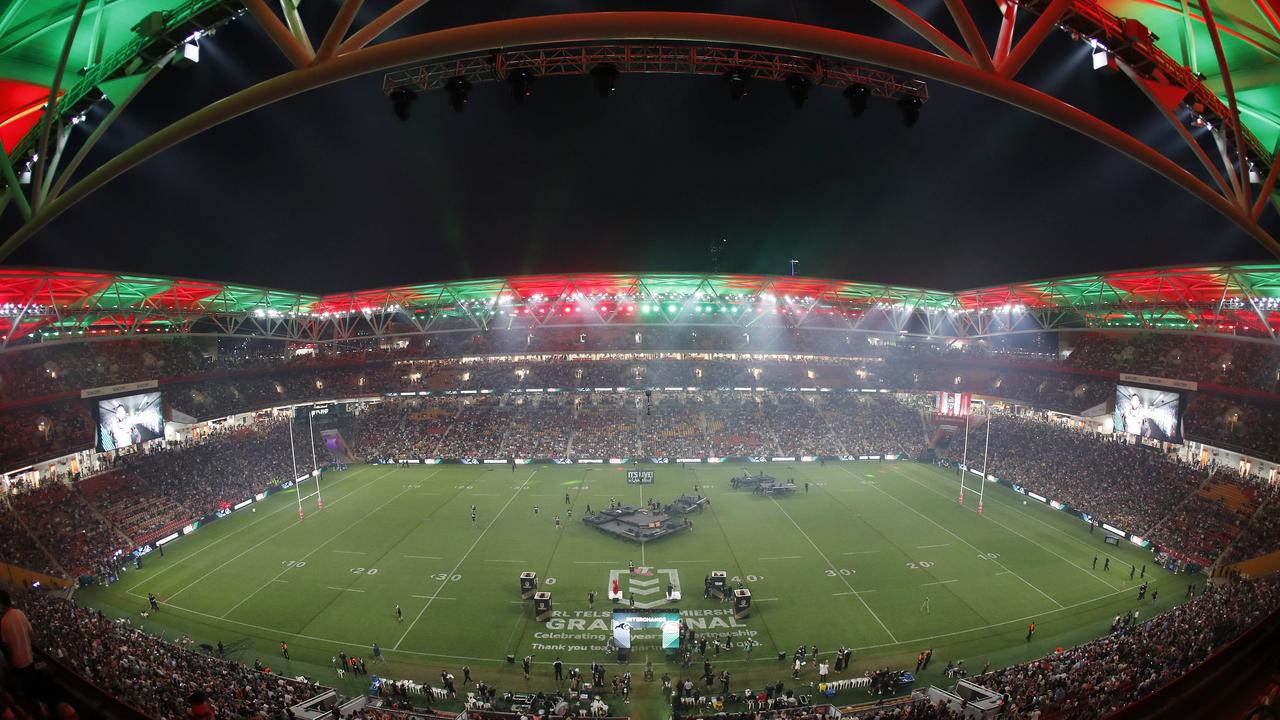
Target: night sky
{"type": "Point", "coordinates": [329, 191]}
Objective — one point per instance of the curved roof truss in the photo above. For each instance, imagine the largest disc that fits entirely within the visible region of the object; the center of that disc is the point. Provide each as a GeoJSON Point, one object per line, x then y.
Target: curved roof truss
{"type": "Point", "coordinates": [1236, 180]}
{"type": "Point", "coordinates": [1233, 301]}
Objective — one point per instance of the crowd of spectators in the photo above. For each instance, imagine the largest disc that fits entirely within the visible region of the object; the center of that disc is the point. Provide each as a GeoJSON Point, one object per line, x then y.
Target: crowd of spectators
{"type": "Point", "coordinates": [30, 434]}
{"type": "Point", "coordinates": [402, 429]}
{"type": "Point", "coordinates": [62, 521]}
{"type": "Point", "coordinates": [17, 545]}
{"type": "Point", "coordinates": [1129, 485]}
{"type": "Point", "coordinates": [152, 675]}
{"type": "Point", "coordinates": [1099, 677]}
{"type": "Point", "coordinates": [660, 424]}
{"type": "Point", "coordinates": [477, 432]}
{"type": "Point", "coordinates": [875, 425]}
{"type": "Point", "coordinates": [205, 379]}
{"type": "Point", "coordinates": [605, 429]}
{"type": "Point", "coordinates": [1234, 423]}
{"type": "Point", "coordinates": [1211, 518]}
{"type": "Point", "coordinates": [1204, 359]}
{"type": "Point", "coordinates": [1262, 534]}
{"type": "Point", "coordinates": [224, 468]}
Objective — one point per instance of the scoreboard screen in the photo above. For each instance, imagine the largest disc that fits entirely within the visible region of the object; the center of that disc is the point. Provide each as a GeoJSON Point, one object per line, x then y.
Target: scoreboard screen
{"type": "Point", "coordinates": [640, 477]}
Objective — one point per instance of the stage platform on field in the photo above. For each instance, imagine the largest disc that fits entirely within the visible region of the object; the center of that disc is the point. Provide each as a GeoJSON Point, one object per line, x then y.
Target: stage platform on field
{"type": "Point", "coordinates": [686, 504]}
{"type": "Point", "coordinates": [635, 524]}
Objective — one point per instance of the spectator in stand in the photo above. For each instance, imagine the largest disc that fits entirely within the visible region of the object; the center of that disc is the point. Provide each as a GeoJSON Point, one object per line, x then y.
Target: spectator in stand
{"type": "Point", "coordinates": [152, 675]}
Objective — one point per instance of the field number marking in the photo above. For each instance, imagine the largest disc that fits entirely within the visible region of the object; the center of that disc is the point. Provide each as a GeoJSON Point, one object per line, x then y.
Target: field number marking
{"type": "Point", "coordinates": [294, 563]}
{"type": "Point", "coordinates": [749, 578]}
{"type": "Point", "coordinates": [446, 577]}
{"type": "Point", "coordinates": [920, 565]}
{"type": "Point", "coordinates": [364, 571]}
{"type": "Point", "coordinates": [842, 571]}
{"type": "Point", "coordinates": [988, 556]}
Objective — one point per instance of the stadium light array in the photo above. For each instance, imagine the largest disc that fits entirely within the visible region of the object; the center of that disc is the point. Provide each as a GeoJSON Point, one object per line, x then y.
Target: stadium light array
{"type": "Point", "coordinates": [737, 79]}
{"type": "Point", "coordinates": [459, 92]}
{"type": "Point", "coordinates": [605, 79]}
{"type": "Point", "coordinates": [402, 101]}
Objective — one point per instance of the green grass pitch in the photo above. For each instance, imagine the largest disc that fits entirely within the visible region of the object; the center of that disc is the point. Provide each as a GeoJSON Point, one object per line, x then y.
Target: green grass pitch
{"type": "Point", "coordinates": [850, 562]}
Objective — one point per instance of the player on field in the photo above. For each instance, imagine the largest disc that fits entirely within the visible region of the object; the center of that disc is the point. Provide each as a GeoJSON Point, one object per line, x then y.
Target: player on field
{"type": "Point", "coordinates": [924, 606]}
{"type": "Point", "coordinates": [399, 614]}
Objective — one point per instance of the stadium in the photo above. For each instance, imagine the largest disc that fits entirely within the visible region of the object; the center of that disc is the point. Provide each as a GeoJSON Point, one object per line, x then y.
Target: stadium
{"type": "Point", "coordinates": [490, 495]}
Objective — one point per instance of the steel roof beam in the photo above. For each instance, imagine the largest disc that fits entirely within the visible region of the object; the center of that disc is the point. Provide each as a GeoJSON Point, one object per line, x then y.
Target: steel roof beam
{"type": "Point", "coordinates": [650, 25]}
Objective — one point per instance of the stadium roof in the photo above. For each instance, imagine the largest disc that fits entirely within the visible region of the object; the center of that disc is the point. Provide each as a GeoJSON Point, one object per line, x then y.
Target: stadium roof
{"type": "Point", "coordinates": [33, 33]}
{"type": "Point", "coordinates": [1250, 34]}
{"type": "Point", "coordinates": [83, 47]}
{"type": "Point", "coordinates": [41, 305]}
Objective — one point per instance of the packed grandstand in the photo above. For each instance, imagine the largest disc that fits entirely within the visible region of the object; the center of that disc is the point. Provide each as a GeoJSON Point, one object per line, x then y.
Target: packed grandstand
{"type": "Point", "coordinates": [668, 393]}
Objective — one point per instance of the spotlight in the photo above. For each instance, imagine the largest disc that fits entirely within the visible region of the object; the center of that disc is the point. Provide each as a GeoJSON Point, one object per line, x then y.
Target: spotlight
{"type": "Point", "coordinates": [605, 78]}
{"type": "Point", "coordinates": [459, 90]}
{"type": "Point", "coordinates": [521, 82]}
{"type": "Point", "coordinates": [798, 88]}
{"type": "Point", "coordinates": [737, 80]}
{"type": "Point", "coordinates": [401, 99]}
{"type": "Point", "coordinates": [910, 107]}
{"type": "Point", "coordinates": [857, 95]}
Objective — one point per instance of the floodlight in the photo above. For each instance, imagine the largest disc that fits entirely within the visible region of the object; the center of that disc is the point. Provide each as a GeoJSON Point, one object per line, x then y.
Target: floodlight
{"type": "Point", "coordinates": [401, 100]}
{"type": "Point", "coordinates": [605, 77]}
{"type": "Point", "coordinates": [521, 82]}
{"type": "Point", "coordinates": [459, 90]}
{"type": "Point", "coordinates": [737, 79]}
{"type": "Point", "coordinates": [857, 95]}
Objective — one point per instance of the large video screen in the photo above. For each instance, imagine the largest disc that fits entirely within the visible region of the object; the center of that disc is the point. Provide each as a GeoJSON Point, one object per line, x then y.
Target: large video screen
{"type": "Point", "coordinates": [125, 421]}
{"type": "Point", "coordinates": [953, 404]}
{"type": "Point", "coordinates": [1154, 414]}
{"type": "Point", "coordinates": [624, 622]}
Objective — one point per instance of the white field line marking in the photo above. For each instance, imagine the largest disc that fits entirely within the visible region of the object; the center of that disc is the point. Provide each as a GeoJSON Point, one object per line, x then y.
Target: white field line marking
{"type": "Point", "coordinates": [350, 552]}
{"type": "Point", "coordinates": [255, 546]}
{"type": "Point", "coordinates": [282, 581]}
{"type": "Point", "coordinates": [863, 552]}
{"type": "Point", "coordinates": [940, 582]}
{"type": "Point", "coordinates": [317, 549]}
{"type": "Point", "coordinates": [440, 598]}
{"type": "Point", "coordinates": [988, 518]}
{"type": "Point", "coordinates": [343, 589]}
{"type": "Point", "coordinates": [764, 599]}
{"type": "Point", "coordinates": [993, 625]}
{"type": "Point", "coordinates": [926, 547]}
{"type": "Point", "coordinates": [465, 555]}
{"type": "Point", "coordinates": [275, 632]}
{"type": "Point", "coordinates": [783, 557]}
{"type": "Point", "coordinates": [853, 592]}
{"type": "Point", "coordinates": [966, 542]}
{"type": "Point", "coordinates": [1006, 572]}
{"type": "Point", "coordinates": [832, 566]}
{"type": "Point", "coordinates": [422, 557]}
{"type": "Point", "coordinates": [267, 516]}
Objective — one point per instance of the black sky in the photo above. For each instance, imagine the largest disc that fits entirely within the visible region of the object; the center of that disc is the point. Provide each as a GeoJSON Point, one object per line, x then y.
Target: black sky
{"type": "Point", "coordinates": [329, 191]}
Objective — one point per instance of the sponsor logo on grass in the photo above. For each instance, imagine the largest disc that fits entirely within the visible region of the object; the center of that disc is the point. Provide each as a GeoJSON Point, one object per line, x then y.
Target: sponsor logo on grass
{"type": "Point", "coordinates": [645, 587]}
